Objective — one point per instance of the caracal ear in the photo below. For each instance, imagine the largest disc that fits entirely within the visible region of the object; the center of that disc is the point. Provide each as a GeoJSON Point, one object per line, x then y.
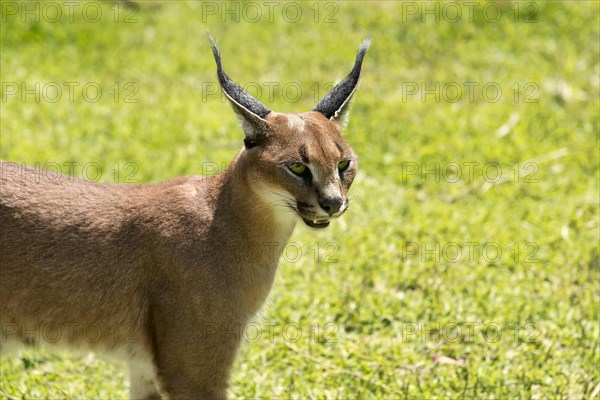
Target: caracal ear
{"type": "Point", "coordinates": [250, 111]}
{"type": "Point", "coordinates": [336, 104]}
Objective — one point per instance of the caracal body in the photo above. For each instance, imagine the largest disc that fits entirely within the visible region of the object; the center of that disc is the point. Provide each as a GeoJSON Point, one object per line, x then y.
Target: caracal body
{"type": "Point", "coordinates": [167, 275]}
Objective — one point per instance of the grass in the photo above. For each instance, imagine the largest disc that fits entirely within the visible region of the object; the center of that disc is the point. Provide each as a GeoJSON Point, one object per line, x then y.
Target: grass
{"type": "Point", "coordinates": [406, 296]}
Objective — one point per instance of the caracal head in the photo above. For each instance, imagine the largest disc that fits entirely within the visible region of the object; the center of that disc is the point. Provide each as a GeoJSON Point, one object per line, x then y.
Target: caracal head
{"type": "Point", "coordinates": [300, 163]}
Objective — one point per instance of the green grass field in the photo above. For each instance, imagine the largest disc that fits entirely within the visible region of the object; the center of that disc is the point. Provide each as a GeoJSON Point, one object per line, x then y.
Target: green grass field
{"type": "Point", "coordinates": [467, 265]}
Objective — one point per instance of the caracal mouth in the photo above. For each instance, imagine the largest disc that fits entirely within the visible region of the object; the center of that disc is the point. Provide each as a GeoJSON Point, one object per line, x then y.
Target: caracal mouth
{"type": "Point", "coordinates": [320, 221]}
{"type": "Point", "coordinates": [316, 223]}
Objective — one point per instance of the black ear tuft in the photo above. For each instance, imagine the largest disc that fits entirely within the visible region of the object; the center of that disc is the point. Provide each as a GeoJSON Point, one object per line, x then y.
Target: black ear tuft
{"type": "Point", "coordinates": [335, 104]}
{"type": "Point", "coordinates": [233, 91]}
{"type": "Point", "coordinates": [250, 111]}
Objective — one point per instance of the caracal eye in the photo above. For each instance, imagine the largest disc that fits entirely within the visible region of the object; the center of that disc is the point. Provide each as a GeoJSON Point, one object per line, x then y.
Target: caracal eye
{"type": "Point", "coordinates": [343, 165]}
{"type": "Point", "coordinates": [298, 168]}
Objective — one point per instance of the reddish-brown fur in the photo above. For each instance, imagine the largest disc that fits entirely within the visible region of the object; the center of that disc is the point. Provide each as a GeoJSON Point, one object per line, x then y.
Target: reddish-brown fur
{"type": "Point", "coordinates": [165, 275]}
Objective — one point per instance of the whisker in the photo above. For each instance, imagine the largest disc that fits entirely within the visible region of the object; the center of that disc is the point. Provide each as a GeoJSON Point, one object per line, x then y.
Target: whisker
{"type": "Point", "coordinates": [276, 193]}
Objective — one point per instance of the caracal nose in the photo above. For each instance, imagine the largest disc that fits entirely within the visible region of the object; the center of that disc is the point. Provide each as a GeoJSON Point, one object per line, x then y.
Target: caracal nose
{"type": "Point", "coordinates": [331, 204]}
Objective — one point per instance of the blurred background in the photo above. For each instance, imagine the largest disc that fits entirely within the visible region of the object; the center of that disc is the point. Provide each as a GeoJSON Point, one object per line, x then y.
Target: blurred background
{"type": "Point", "coordinates": [467, 265]}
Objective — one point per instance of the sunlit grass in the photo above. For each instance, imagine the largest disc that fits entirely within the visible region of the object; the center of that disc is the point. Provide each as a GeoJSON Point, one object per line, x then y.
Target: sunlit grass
{"type": "Point", "coordinates": [377, 296]}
